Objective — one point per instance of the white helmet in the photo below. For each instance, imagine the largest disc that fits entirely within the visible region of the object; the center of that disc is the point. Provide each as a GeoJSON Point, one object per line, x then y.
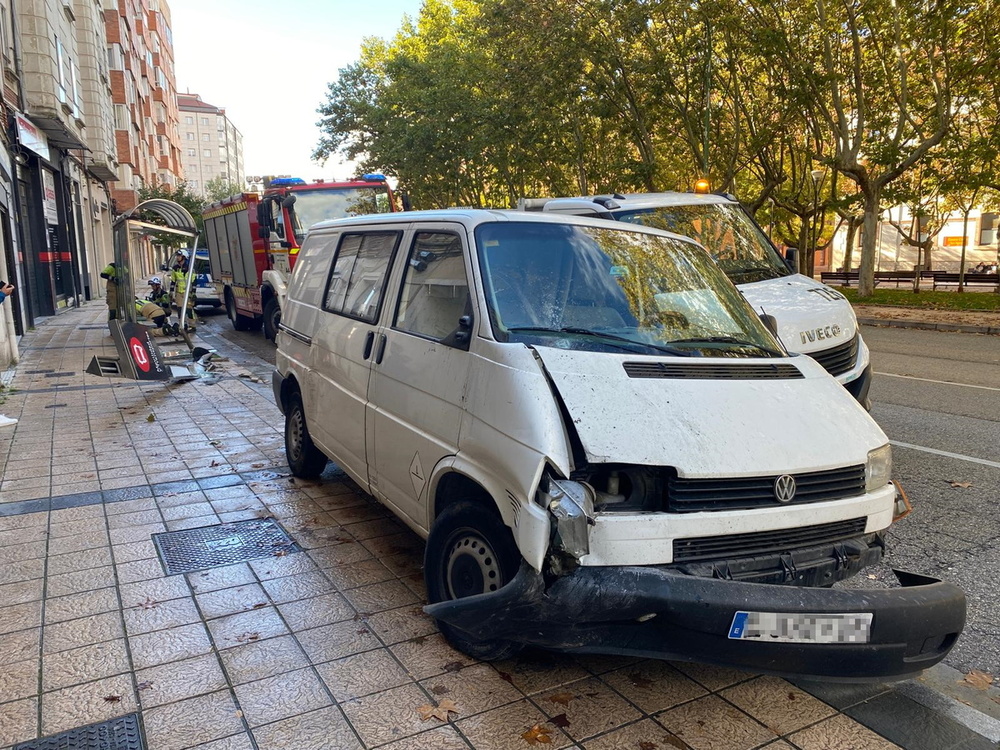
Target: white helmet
{"type": "Point", "coordinates": [185, 252]}
{"type": "Point", "coordinates": [155, 281]}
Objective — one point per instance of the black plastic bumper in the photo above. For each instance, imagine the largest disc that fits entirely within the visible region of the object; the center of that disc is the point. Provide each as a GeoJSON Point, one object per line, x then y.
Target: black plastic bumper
{"type": "Point", "coordinates": [656, 613]}
{"type": "Point", "coordinates": [277, 380]}
{"type": "Point", "coordinates": [860, 386]}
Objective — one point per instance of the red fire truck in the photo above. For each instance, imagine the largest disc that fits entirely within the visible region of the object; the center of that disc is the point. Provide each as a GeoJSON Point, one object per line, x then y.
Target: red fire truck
{"type": "Point", "coordinates": [253, 239]}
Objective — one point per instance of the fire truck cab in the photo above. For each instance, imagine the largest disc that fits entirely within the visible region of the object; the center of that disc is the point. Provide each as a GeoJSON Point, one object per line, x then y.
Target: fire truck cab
{"type": "Point", "coordinates": [253, 239]}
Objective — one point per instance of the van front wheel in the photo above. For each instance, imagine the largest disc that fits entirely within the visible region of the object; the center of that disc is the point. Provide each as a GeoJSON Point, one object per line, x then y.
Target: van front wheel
{"type": "Point", "coordinates": [304, 459]}
{"type": "Point", "coordinates": [470, 551]}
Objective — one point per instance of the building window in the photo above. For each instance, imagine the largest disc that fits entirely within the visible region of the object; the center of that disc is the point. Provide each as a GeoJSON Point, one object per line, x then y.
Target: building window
{"type": "Point", "coordinates": [206, 152]}
{"type": "Point", "coordinates": [206, 137]}
{"type": "Point", "coordinates": [189, 120]}
{"type": "Point", "coordinates": [204, 121]}
{"type": "Point", "coordinates": [115, 61]}
{"type": "Point", "coordinates": [189, 136]}
{"type": "Point", "coordinates": [192, 152]}
{"type": "Point", "coordinates": [988, 228]}
{"type": "Point", "coordinates": [121, 117]}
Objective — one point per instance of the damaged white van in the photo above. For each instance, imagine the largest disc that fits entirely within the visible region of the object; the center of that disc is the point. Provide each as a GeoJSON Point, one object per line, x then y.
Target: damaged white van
{"type": "Point", "coordinates": [607, 450]}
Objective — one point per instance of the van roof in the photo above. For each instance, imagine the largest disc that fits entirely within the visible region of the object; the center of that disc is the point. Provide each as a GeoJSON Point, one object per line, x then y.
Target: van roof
{"type": "Point", "coordinates": [633, 200]}
{"type": "Point", "coordinates": [473, 217]}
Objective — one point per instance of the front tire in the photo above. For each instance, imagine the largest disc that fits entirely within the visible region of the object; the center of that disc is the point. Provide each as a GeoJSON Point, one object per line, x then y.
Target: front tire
{"type": "Point", "coordinates": [272, 319]}
{"type": "Point", "coordinates": [470, 551]}
{"type": "Point", "coordinates": [240, 322]}
{"type": "Point", "coordinates": [304, 459]}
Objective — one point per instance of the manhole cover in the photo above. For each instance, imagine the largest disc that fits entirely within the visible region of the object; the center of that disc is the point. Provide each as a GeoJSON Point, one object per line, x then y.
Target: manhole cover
{"type": "Point", "coordinates": [115, 734]}
{"type": "Point", "coordinates": [58, 374]}
{"type": "Point", "coordinates": [223, 544]}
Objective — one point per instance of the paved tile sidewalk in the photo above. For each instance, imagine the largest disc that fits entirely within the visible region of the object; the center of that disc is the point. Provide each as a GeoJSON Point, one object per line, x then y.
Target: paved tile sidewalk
{"type": "Point", "coordinates": [325, 648]}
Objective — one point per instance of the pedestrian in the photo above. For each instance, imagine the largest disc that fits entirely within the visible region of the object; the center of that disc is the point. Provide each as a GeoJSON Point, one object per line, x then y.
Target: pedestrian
{"type": "Point", "coordinates": [110, 273]}
{"type": "Point", "coordinates": [5, 291]}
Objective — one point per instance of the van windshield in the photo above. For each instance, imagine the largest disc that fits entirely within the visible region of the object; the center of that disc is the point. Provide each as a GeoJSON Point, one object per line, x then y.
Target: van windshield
{"type": "Point", "coordinates": [313, 206]}
{"type": "Point", "coordinates": [613, 289]}
{"type": "Point", "coordinates": [734, 241]}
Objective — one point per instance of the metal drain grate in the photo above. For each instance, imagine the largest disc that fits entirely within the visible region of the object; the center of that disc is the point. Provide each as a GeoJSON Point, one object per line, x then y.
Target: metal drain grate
{"type": "Point", "coordinates": [223, 544]}
{"type": "Point", "coordinates": [114, 734]}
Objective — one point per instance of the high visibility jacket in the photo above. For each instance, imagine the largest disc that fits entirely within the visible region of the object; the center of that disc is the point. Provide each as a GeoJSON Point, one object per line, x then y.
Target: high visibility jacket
{"type": "Point", "coordinates": [162, 299]}
{"type": "Point", "coordinates": [150, 310]}
{"type": "Point", "coordinates": [110, 273]}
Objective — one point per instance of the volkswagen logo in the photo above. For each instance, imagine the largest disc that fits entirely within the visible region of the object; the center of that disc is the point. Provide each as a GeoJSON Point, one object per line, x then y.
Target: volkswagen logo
{"type": "Point", "coordinates": [784, 488]}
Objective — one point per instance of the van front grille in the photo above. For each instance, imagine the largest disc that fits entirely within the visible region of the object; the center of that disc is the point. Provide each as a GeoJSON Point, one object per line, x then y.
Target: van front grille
{"type": "Point", "coordinates": [838, 359]}
{"type": "Point", "coordinates": [765, 542]}
{"type": "Point", "coordinates": [715, 371]}
{"type": "Point", "coordinates": [691, 495]}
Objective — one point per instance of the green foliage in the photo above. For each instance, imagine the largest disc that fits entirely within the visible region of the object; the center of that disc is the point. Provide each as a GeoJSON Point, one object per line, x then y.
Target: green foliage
{"type": "Point", "coordinates": [182, 195]}
{"type": "Point", "coordinates": [929, 300]}
{"type": "Point", "coordinates": [480, 102]}
{"type": "Point", "coordinates": [219, 188]}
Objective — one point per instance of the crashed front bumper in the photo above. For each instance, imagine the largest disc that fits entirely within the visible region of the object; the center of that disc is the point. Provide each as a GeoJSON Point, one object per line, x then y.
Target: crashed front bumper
{"type": "Point", "coordinates": [646, 611]}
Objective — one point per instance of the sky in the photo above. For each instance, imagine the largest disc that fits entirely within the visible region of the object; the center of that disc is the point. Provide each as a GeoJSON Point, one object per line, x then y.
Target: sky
{"type": "Point", "coordinates": [268, 65]}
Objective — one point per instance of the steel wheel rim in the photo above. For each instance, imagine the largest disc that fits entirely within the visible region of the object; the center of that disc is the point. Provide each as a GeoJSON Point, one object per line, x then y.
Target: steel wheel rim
{"type": "Point", "coordinates": [296, 430]}
{"type": "Point", "coordinates": [470, 566]}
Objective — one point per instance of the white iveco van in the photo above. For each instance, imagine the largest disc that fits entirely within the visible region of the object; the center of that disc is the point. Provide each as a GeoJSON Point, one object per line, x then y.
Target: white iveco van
{"type": "Point", "coordinates": [604, 446]}
{"type": "Point", "coordinates": [812, 318]}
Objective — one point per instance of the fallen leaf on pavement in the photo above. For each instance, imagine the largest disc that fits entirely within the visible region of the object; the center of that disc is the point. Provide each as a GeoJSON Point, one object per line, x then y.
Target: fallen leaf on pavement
{"type": "Point", "coordinates": [562, 699]}
{"type": "Point", "coordinates": [453, 666]}
{"type": "Point", "coordinates": [956, 483]}
{"type": "Point", "coordinates": [439, 712]}
{"type": "Point", "coordinates": [258, 605]}
{"type": "Point", "coordinates": [537, 735]}
{"type": "Point", "coordinates": [248, 637]}
{"type": "Point", "coordinates": [560, 721]}
{"type": "Point", "coordinates": [148, 604]}
{"type": "Point", "coordinates": [257, 466]}
{"type": "Point", "coordinates": [145, 686]}
{"type": "Point", "coordinates": [151, 417]}
{"type": "Point", "coordinates": [505, 676]}
{"type": "Point", "coordinates": [113, 698]}
{"type": "Point", "coordinates": [978, 680]}
{"type": "Point", "coordinates": [440, 690]}
{"type": "Point", "coordinates": [671, 740]}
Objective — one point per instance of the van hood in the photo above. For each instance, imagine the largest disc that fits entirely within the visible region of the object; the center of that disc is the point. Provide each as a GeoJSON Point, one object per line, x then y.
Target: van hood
{"type": "Point", "coordinates": [710, 427]}
{"type": "Point", "coordinates": [811, 316]}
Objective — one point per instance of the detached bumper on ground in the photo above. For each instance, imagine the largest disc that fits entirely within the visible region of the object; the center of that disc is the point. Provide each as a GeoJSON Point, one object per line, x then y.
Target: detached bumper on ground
{"type": "Point", "coordinates": [656, 613]}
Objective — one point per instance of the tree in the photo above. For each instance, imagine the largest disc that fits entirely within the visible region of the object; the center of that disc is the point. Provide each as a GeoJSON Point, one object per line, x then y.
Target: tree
{"type": "Point", "coordinates": [219, 188]}
{"type": "Point", "coordinates": [180, 194]}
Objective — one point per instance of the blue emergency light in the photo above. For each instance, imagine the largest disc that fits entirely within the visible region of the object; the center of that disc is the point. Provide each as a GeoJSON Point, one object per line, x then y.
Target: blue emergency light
{"type": "Point", "coordinates": [284, 181]}
{"type": "Point", "coordinates": [373, 177]}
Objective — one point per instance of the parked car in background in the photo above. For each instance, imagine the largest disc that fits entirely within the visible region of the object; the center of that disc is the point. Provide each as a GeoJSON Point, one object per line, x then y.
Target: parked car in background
{"type": "Point", "coordinates": [811, 317]}
{"type": "Point", "coordinates": [207, 292]}
{"type": "Point", "coordinates": [604, 445]}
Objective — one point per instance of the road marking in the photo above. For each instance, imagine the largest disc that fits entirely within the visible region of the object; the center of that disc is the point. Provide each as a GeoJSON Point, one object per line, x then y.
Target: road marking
{"type": "Point", "coordinates": [959, 456]}
{"type": "Point", "coordinates": [942, 382]}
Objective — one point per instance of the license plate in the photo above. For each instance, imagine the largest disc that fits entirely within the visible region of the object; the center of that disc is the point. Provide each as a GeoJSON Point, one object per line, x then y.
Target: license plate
{"type": "Point", "coordinates": [778, 627]}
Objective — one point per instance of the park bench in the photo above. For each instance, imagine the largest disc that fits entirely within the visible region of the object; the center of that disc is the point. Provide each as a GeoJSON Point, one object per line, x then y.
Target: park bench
{"type": "Point", "coordinates": [942, 278]}
{"type": "Point", "coordinates": [844, 278]}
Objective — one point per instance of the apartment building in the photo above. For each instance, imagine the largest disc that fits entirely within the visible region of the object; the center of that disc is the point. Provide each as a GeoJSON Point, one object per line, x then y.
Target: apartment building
{"type": "Point", "coordinates": [212, 146]}
{"type": "Point", "coordinates": [144, 95]}
{"type": "Point", "coordinates": [90, 117]}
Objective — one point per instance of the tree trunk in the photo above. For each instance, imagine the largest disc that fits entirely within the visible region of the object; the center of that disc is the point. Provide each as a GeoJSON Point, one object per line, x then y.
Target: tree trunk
{"type": "Point", "coordinates": [804, 262]}
{"type": "Point", "coordinates": [852, 233]}
{"type": "Point", "coordinates": [965, 235]}
{"type": "Point", "coordinates": [869, 244]}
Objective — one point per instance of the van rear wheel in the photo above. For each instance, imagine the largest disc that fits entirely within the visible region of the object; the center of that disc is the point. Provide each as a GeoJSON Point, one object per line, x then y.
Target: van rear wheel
{"type": "Point", "coordinates": [470, 551]}
{"type": "Point", "coordinates": [304, 459]}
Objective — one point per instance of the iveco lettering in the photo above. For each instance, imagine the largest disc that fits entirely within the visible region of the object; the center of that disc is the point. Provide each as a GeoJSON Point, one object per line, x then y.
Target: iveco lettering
{"type": "Point", "coordinates": [604, 445]}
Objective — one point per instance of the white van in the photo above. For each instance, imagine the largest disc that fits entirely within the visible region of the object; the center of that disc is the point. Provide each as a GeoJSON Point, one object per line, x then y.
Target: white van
{"type": "Point", "coordinates": [812, 318]}
{"type": "Point", "coordinates": [605, 447]}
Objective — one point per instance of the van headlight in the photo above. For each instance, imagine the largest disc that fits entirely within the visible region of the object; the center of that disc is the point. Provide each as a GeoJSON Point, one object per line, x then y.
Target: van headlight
{"type": "Point", "coordinates": [878, 468]}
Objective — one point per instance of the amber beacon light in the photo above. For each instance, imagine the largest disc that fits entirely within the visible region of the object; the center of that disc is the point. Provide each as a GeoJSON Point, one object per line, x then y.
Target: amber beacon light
{"type": "Point", "coordinates": [702, 186]}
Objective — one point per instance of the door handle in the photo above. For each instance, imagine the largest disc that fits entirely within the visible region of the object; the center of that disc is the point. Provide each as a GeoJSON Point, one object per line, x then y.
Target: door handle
{"type": "Point", "coordinates": [369, 341]}
{"type": "Point", "coordinates": [381, 350]}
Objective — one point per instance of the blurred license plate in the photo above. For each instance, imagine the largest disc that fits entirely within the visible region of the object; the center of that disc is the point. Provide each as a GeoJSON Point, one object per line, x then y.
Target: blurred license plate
{"type": "Point", "coordinates": [777, 627]}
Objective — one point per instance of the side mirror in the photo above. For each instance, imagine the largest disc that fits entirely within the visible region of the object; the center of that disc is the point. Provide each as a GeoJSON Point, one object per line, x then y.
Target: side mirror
{"type": "Point", "coordinates": [770, 323]}
{"type": "Point", "coordinates": [792, 259]}
{"type": "Point", "coordinates": [404, 198]}
{"type": "Point", "coordinates": [462, 336]}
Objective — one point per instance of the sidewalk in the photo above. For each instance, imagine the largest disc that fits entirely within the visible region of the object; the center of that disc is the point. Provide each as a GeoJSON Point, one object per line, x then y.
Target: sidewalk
{"type": "Point", "coordinates": [962, 321]}
{"type": "Point", "coordinates": [321, 642]}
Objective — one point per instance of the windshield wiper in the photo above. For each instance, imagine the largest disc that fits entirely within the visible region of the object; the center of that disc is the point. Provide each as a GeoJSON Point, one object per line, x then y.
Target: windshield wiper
{"type": "Point", "coordinates": [730, 340]}
{"type": "Point", "coordinates": [602, 335]}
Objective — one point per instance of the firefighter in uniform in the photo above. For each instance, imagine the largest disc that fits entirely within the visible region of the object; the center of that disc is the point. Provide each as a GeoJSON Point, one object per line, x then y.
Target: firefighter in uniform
{"type": "Point", "coordinates": [156, 308]}
{"type": "Point", "coordinates": [178, 283]}
{"type": "Point", "coordinates": [110, 273]}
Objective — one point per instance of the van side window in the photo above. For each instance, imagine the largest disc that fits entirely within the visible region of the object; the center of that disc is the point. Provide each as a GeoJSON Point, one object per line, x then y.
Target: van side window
{"type": "Point", "coordinates": [435, 292]}
{"type": "Point", "coordinates": [357, 280]}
